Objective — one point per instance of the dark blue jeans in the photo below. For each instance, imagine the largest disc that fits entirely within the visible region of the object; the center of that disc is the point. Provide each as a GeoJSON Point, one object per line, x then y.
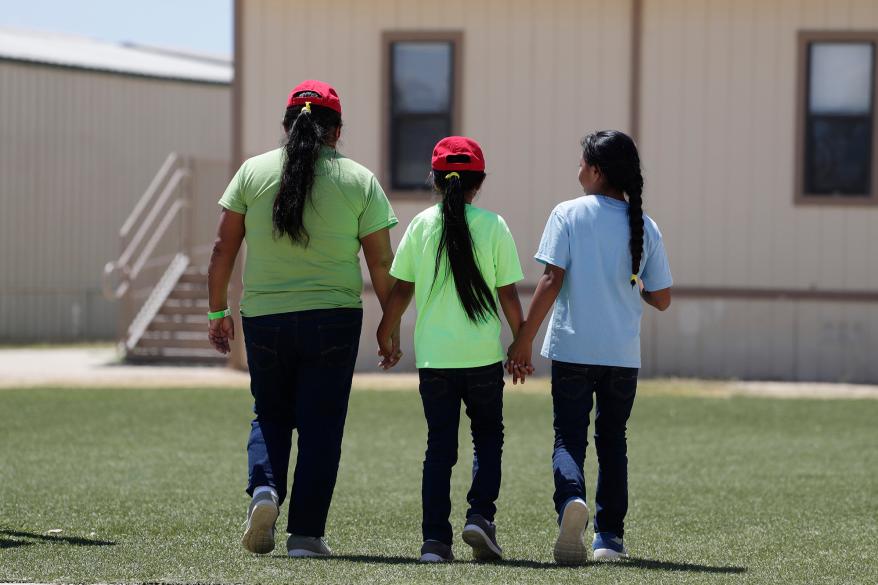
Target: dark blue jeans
{"type": "Point", "coordinates": [574, 388]}
{"type": "Point", "coordinates": [481, 390]}
{"type": "Point", "coordinates": [301, 366]}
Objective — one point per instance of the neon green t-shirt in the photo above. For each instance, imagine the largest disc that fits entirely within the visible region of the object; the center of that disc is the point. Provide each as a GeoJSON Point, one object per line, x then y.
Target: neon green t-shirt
{"type": "Point", "coordinates": [444, 336]}
{"type": "Point", "coordinates": [347, 204]}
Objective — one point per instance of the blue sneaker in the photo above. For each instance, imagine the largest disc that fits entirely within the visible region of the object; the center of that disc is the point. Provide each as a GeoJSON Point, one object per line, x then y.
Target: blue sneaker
{"type": "Point", "coordinates": [608, 547]}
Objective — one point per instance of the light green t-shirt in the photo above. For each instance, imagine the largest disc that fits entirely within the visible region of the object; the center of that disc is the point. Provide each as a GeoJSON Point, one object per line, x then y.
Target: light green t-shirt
{"type": "Point", "coordinates": [346, 204]}
{"type": "Point", "coordinates": [444, 336]}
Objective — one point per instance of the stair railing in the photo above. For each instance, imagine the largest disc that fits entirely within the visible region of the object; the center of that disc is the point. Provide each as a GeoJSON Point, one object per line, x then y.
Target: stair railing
{"type": "Point", "coordinates": [167, 198]}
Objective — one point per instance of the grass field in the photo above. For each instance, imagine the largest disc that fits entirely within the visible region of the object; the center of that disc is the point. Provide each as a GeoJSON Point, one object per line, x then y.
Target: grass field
{"type": "Point", "coordinates": [147, 486]}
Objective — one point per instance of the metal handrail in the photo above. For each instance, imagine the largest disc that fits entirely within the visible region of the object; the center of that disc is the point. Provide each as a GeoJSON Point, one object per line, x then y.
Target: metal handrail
{"type": "Point", "coordinates": [150, 192]}
{"type": "Point", "coordinates": [146, 225]}
{"type": "Point", "coordinates": [133, 257]}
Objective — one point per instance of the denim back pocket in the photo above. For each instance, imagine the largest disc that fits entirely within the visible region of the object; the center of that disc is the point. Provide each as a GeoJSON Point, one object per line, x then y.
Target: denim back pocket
{"type": "Point", "coordinates": [262, 346]}
{"type": "Point", "coordinates": [624, 382]}
{"type": "Point", "coordinates": [338, 343]}
{"type": "Point", "coordinates": [571, 382]}
{"type": "Point", "coordinates": [486, 386]}
{"type": "Point", "coordinates": [432, 387]}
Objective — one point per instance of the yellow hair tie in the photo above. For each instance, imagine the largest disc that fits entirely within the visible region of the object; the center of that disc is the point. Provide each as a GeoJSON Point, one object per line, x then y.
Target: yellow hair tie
{"type": "Point", "coordinates": [307, 107]}
{"type": "Point", "coordinates": [449, 175]}
{"type": "Point", "coordinates": [633, 279]}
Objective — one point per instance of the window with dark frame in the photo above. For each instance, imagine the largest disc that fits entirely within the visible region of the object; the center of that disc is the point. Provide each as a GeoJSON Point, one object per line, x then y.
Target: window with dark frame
{"type": "Point", "coordinates": [839, 125]}
{"type": "Point", "coordinates": [422, 79]}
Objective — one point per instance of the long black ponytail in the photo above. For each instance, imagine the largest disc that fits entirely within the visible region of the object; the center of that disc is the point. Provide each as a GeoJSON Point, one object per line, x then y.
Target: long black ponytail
{"type": "Point", "coordinates": [615, 154]}
{"type": "Point", "coordinates": [456, 243]}
{"type": "Point", "coordinates": [308, 128]}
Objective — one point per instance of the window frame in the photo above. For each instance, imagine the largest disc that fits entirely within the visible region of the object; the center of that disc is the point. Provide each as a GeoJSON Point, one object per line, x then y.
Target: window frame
{"type": "Point", "coordinates": [805, 38]}
{"type": "Point", "coordinates": [455, 38]}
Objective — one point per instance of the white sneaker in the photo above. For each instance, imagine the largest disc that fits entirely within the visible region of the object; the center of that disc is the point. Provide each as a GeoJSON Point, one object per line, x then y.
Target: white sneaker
{"type": "Point", "coordinates": [570, 546]}
{"type": "Point", "coordinates": [261, 515]}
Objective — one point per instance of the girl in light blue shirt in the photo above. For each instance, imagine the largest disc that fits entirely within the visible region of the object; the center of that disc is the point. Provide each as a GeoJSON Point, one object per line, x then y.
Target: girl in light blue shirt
{"type": "Point", "coordinates": [603, 258]}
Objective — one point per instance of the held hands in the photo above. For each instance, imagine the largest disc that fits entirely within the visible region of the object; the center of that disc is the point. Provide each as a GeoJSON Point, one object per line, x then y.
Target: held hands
{"type": "Point", "coordinates": [388, 346]}
{"type": "Point", "coordinates": [220, 332]}
{"type": "Point", "coordinates": [519, 364]}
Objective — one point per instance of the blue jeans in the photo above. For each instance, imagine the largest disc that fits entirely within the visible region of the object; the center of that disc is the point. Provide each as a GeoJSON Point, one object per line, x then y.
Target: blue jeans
{"type": "Point", "coordinates": [481, 390]}
{"type": "Point", "coordinates": [301, 366]}
{"type": "Point", "coordinates": [574, 387]}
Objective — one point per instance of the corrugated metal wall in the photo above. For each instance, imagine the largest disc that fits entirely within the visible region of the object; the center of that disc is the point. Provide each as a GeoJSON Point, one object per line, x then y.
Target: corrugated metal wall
{"type": "Point", "coordinates": [77, 149]}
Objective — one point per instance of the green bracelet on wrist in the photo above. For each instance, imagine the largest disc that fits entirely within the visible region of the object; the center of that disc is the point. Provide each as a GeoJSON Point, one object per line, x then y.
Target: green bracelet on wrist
{"type": "Point", "coordinates": [219, 314]}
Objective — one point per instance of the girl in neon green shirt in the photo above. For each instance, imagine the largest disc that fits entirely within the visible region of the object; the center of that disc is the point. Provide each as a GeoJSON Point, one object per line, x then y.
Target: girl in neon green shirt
{"type": "Point", "coordinates": [460, 263]}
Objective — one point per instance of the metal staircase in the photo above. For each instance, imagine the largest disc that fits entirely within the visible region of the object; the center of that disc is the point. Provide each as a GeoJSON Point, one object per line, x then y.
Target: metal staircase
{"type": "Point", "coordinates": [160, 277]}
{"type": "Point", "coordinates": [178, 330]}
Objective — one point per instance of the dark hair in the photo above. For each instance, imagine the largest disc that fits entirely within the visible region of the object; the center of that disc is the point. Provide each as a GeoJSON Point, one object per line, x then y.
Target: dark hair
{"type": "Point", "coordinates": [306, 132]}
{"type": "Point", "coordinates": [615, 154]}
{"type": "Point", "coordinates": [456, 243]}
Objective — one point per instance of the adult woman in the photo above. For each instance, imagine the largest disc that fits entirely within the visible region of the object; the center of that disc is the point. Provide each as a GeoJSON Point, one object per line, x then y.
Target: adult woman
{"type": "Point", "coordinates": [304, 211]}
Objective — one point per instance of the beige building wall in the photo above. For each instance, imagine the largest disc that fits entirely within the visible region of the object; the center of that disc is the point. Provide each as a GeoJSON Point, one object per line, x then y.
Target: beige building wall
{"type": "Point", "coordinates": [715, 91]}
{"type": "Point", "coordinates": [718, 139]}
{"type": "Point", "coordinates": [535, 76]}
{"type": "Point", "coordinates": [77, 149]}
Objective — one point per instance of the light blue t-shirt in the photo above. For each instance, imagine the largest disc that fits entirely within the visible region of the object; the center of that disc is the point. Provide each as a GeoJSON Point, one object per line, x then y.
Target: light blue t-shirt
{"type": "Point", "coordinates": [596, 318]}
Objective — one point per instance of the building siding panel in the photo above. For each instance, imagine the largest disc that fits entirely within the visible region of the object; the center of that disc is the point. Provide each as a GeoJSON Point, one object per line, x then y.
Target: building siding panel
{"type": "Point", "coordinates": [77, 149]}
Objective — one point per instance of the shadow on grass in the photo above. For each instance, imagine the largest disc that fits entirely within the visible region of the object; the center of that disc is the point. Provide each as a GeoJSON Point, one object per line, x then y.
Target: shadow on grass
{"type": "Point", "coordinates": [12, 543]}
{"type": "Point", "coordinates": [638, 563]}
{"type": "Point", "coordinates": [686, 567]}
{"type": "Point", "coordinates": [74, 540]}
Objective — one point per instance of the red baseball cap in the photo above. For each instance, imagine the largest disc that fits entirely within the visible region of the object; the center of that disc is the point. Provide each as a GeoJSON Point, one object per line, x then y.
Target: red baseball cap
{"type": "Point", "coordinates": [455, 146]}
{"type": "Point", "coordinates": [326, 95]}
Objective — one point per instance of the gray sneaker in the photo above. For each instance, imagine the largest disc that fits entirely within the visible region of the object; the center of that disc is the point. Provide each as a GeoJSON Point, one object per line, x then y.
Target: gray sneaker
{"type": "Point", "coordinates": [570, 547]}
{"type": "Point", "coordinates": [434, 551]}
{"type": "Point", "coordinates": [261, 515]}
{"type": "Point", "coordinates": [482, 536]}
{"type": "Point", "coordinates": [307, 546]}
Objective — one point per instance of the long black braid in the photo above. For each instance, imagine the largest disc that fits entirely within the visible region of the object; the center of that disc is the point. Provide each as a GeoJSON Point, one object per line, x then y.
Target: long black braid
{"type": "Point", "coordinates": [615, 154]}
{"type": "Point", "coordinates": [456, 243]}
{"type": "Point", "coordinates": [308, 128]}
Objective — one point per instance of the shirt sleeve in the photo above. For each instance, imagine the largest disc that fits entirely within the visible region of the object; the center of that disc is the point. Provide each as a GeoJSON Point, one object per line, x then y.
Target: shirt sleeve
{"type": "Point", "coordinates": [656, 272]}
{"type": "Point", "coordinates": [555, 244]}
{"type": "Point", "coordinates": [377, 214]}
{"type": "Point", "coordinates": [404, 262]}
{"type": "Point", "coordinates": [234, 197]}
{"type": "Point", "coordinates": [507, 266]}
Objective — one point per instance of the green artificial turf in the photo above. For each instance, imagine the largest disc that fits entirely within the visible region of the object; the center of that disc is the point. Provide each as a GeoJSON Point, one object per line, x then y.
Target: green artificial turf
{"type": "Point", "coordinates": [147, 486]}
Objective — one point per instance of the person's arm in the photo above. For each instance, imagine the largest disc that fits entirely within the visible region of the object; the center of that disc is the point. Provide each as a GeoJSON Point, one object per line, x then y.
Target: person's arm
{"type": "Point", "coordinates": [229, 235]}
{"type": "Point", "coordinates": [660, 299]}
{"type": "Point", "coordinates": [544, 297]}
{"type": "Point", "coordinates": [379, 259]}
{"type": "Point", "coordinates": [398, 301]}
{"type": "Point", "coordinates": [511, 305]}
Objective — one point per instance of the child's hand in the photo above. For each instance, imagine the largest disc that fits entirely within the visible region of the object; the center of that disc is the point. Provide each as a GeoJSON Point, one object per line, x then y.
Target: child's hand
{"type": "Point", "coordinates": [519, 364]}
{"type": "Point", "coordinates": [388, 347]}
